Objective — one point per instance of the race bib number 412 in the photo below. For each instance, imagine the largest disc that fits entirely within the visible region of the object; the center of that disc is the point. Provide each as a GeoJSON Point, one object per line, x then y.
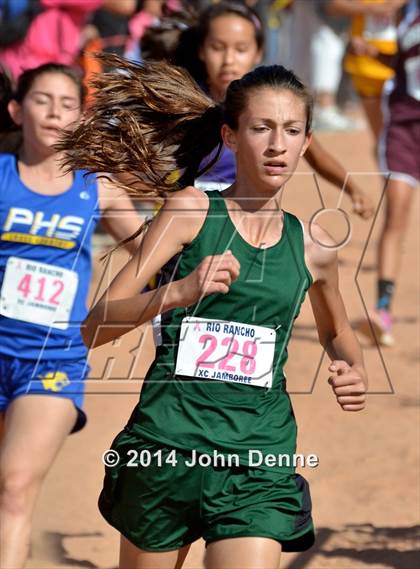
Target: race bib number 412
{"type": "Point", "coordinates": [226, 351]}
{"type": "Point", "coordinates": [38, 293]}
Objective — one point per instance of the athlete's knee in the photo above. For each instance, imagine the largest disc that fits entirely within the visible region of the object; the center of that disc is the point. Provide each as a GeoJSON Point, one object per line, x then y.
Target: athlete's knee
{"type": "Point", "coordinates": [18, 486]}
{"type": "Point", "coordinates": [395, 223]}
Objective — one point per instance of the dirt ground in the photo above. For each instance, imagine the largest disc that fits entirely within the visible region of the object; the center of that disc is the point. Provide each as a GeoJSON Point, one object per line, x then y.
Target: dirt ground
{"type": "Point", "coordinates": [365, 490]}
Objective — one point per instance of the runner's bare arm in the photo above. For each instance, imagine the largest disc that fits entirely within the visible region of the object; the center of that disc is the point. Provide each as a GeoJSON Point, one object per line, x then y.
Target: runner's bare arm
{"type": "Point", "coordinates": [174, 227]}
{"type": "Point", "coordinates": [119, 216]}
{"type": "Point", "coordinates": [348, 375]}
{"type": "Point", "coordinates": [329, 168]}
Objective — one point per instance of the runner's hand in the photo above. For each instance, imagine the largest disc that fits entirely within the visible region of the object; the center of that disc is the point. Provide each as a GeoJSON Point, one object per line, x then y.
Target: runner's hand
{"type": "Point", "coordinates": [362, 204]}
{"type": "Point", "coordinates": [359, 46]}
{"type": "Point", "coordinates": [348, 386]}
{"type": "Point", "coordinates": [213, 275]}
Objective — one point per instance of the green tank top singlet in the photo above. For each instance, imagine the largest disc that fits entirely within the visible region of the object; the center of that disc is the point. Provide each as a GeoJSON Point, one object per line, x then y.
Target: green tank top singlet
{"type": "Point", "coordinates": [209, 415]}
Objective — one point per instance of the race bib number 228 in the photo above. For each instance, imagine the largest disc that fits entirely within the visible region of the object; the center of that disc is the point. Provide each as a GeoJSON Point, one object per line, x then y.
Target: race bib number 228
{"type": "Point", "coordinates": [226, 351]}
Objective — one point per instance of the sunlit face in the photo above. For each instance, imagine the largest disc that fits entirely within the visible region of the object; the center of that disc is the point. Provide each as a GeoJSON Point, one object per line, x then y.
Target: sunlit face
{"type": "Point", "coordinates": [270, 137]}
{"type": "Point", "coordinates": [51, 104]}
{"type": "Point", "coordinates": [229, 51]}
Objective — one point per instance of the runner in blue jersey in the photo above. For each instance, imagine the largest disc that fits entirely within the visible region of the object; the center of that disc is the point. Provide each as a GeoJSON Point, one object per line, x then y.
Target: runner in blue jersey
{"type": "Point", "coordinates": [47, 218]}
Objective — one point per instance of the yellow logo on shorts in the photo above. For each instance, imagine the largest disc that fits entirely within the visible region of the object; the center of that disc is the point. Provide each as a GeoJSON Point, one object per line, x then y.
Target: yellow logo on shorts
{"type": "Point", "coordinates": [55, 380]}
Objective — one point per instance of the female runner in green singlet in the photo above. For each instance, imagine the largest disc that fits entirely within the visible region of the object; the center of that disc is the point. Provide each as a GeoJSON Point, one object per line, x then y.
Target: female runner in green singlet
{"type": "Point", "coordinates": [216, 387]}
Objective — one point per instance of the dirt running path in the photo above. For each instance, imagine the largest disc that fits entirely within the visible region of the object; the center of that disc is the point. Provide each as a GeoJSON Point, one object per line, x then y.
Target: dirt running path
{"type": "Point", "coordinates": [365, 490]}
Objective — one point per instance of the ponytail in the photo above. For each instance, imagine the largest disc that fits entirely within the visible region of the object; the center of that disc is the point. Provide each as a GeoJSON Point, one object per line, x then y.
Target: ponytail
{"type": "Point", "coordinates": [148, 120]}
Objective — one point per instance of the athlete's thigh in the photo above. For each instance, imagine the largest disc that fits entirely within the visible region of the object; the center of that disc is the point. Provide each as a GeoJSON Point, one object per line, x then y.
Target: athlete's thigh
{"type": "Point", "coordinates": [131, 557]}
{"type": "Point", "coordinates": [243, 553]}
{"type": "Point", "coordinates": [35, 427]}
{"type": "Point", "coordinates": [399, 196]}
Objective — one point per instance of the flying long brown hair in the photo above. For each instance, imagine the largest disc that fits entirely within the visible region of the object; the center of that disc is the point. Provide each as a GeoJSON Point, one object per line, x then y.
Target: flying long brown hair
{"type": "Point", "coordinates": [150, 121]}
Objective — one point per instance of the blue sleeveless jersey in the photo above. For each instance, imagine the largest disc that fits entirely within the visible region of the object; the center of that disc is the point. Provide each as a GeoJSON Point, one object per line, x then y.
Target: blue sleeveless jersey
{"type": "Point", "coordinates": [45, 265]}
